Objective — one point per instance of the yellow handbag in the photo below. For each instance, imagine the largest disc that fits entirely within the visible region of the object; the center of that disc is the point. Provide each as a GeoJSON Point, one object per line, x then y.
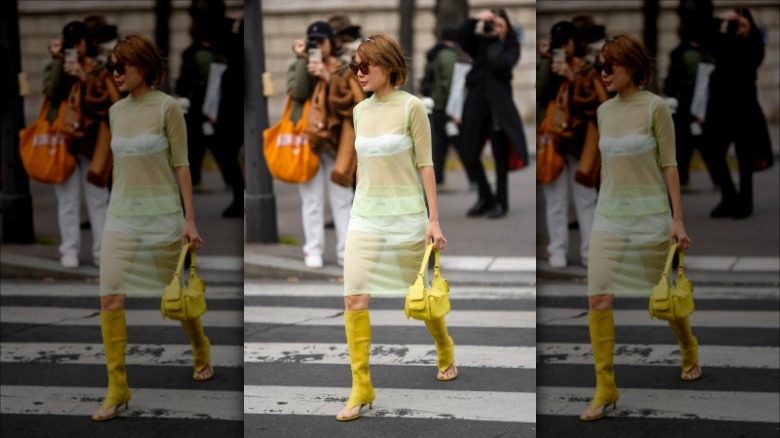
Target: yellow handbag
{"type": "Point", "coordinates": [183, 303]}
{"type": "Point", "coordinates": [672, 303]}
{"type": "Point", "coordinates": [428, 303]}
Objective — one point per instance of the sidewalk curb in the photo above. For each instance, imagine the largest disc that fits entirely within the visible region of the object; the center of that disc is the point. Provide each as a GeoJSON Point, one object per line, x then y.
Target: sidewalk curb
{"type": "Point", "coordinates": [731, 278]}
{"type": "Point", "coordinates": [265, 267]}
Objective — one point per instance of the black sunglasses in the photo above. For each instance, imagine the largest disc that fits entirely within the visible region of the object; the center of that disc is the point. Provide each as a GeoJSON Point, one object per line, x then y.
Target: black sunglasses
{"type": "Point", "coordinates": [606, 67]}
{"type": "Point", "coordinates": [362, 66]}
{"type": "Point", "coordinates": [118, 67]}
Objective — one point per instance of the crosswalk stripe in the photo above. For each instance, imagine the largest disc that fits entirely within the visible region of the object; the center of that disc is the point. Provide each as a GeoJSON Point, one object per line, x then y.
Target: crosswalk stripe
{"type": "Point", "coordinates": [390, 354]}
{"type": "Point", "coordinates": [702, 318]}
{"type": "Point", "coordinates": [329, 317]}
{"type": "Point", "coordinates": [92, 354]}
{"type": "Point", "coordinates": [394, 403]}
{"type": "Point", "coordinates": [258, 288]}
{"type": "Point", "coordinates": [80, 289]}
{"type": "Point", "coordinates": [145, 402]}
{"type": "Point", "coordinates": [699, 293]}
{"type": "Point", "coordinates": [62, 316]}
{"type": "Point", "coordinates": [758, 407]}
{"type": "Point", "coordinates": [634, 354]}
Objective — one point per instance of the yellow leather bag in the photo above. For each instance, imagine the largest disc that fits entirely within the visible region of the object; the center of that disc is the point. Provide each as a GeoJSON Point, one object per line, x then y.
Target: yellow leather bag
{"type": "Point", "coordinates": [183, 303]}
{"type": "Point", "coordinates": [427, 303]}
{"type": "Point", "coordinates": [672, 302]}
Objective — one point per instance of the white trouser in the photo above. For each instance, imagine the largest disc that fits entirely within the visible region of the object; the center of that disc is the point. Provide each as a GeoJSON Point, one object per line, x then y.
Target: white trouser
{"type": "Point", "coordinates": [69, 209]}
{"type": "Point", "coordinates": [313, 209]}
{"type": "Point", "coordinates": [556, 196]}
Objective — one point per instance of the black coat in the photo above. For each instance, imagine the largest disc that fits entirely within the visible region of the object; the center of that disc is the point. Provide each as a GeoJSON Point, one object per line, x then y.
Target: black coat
{"type": "Point", "coordinates": [490, 79]}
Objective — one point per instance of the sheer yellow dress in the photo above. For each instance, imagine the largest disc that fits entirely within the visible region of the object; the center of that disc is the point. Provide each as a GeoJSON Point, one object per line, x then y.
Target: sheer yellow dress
{"type": "Point", "coordinates": [386, 234]}
{"type": "Point", "coordinates": [630, 236]}
{"type": "Point", "coordinates": [142, 236]}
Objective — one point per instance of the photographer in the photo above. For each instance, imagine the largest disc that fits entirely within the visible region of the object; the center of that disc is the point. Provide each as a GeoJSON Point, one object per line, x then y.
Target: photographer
{"type": "Point", "coordinates": [489, 110]}
{"type": "Point", "coordinates": [72, 71]}
{"type": "Point", "coordinates": [733, 112]}
{"type": "Point", "coordinates": [315, 64]}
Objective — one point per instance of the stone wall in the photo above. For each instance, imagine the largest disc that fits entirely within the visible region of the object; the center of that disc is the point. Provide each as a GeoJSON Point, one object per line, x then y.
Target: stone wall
{"type": "Point", "coordinates": [41, 21]}
{"type": "Point", "coordinates": [626, 16]}
{"type": "Point", "coordinates": [286, 20]}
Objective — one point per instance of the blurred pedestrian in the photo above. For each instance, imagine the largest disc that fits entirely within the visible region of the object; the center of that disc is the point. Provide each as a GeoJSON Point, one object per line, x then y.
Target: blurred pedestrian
{"type": "Point", "coordinates": [389, 227]}
{"type": "Point", "coordinates": [104, 36]}
{"type": "Point", "coordinates": [145, 229]}
{"type": "Point", "coordinates": [346, 36]}
{"type": "Point", "coordinates": [733, 112]}
{"type": "Point", "coordinates": [633, 227]}
{"type": "Point", "coordinates": [577, 90]}
{"type": "Point", "coordinates": [319, 65]}
{"type": "Point", "coordinates": [489, 111]}
{"type": "Point", "coordinates": [436, 84]}
{"type": "Point", "coordinates": [72, 73]}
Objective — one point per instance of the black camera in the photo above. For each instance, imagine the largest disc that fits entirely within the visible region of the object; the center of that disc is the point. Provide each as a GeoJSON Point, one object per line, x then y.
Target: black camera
{"type": "Point", "coordinates": [311, 44]}
{"type": "Point", "coordinates": [489, 26]}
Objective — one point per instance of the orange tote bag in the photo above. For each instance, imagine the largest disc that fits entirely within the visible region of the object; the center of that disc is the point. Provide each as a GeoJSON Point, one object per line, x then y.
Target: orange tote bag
{"type": "Point", "coordinates": [286, 148]}
{"type": "Point", "coordinates": [43, 149]}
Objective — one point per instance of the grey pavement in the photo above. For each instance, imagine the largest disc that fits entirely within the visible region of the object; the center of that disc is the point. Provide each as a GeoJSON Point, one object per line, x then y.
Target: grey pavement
{"type": "Point", "coordinates": [481, 250]}
{"type": "Point", "coordinates": [220, 259]}
{"type": "Point", "coordinates": [745, 251]}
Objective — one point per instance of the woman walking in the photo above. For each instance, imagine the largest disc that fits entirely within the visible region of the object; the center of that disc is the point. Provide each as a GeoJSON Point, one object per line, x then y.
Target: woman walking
{"type": "Point", "coordinates": [632, 228]}
{"type": "Point", "coordinates": [388, 226]}
{"type": "Point", "coordinates": [144, 227]}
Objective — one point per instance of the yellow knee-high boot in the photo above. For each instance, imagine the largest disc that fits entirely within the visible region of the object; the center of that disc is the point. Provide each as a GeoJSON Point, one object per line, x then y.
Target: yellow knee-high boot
{"type": "Point", "coordinates": [113, 326]}
{"type": "Point", "coordinates": [689, 346]}
{"type": "Point", "coordinates": [445, 346]}
{"type": "Point", "coordinates": [602, 339]}
{"type": "Point", "coordinates": [201, 348]}
{"type": "Point", "coordinates": [358, 328]}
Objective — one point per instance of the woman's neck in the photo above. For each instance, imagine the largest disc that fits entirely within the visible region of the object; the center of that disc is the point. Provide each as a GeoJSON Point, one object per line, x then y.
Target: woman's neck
{"type": "Point", "coordinates": [384, 91]}
{"type": "Point", "coordinates": [140, 91]}
{"type": "Point", "coordinates": [628, 91]}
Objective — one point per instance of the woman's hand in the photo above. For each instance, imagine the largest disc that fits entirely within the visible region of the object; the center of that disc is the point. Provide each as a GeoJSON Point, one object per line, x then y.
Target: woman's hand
{"type": "Point", "coordinates": [318, 70]}
{"type": "Point", "coordinates": [486, 15]}
{"type": "Point", "coordinates": [190, 234]}
{"type": "Point", "coordinates": [74, 69]}
{"type": "Point", "coordinates": [679, 235]}
{"type": "Point", "coordinates": [563, 69]}
{"type": "Point", "coordinates": [434, 235]}
{"type": "Point", "coordinates": [299, 48]}
{"type": "Point", "coordinates": [55, 47]}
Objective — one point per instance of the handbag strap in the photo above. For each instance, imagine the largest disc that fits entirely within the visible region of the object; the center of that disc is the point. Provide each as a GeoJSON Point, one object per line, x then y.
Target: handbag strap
{"type": "Point", "coordinates": [426, 257]}
{"type": "Point", "coordinates": [184, 249]}
{"type": "Point", "coordinates": [670, 257]}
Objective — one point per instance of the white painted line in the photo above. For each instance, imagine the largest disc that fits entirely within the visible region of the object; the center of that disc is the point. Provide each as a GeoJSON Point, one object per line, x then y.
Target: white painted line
{"type": "Point", "coordinates": [145, 402]}
{"type": "Point", "coordinates": [726, 356]}
{"type": "Point", "coordinates": [335, 317]}
{"type": "Point", "coordinates": [517, 407]}
{"type": "Point", "coordinates": [710, 263]}
{"type": "Point", "coordinates": [465, 263]}
{"type": "Point", "coordinates": [758, 264]}
{"type": "Point", "coordinates": [11, 288]}
{"type": "Point", "coordinates": [580, 290]}
{"type": "Point", "coordinates": [514, 264]}
{"type": "Point", "coordinates": [391, 354]}
{"type": "Point", "coordinates": [634, 318]}
{"type": "Point", "coordinates": [220, 263]}
{"type": "Point", "coordinates": [259, 288]}
{"type": "Point", "coordinates": [759, 407]}
{"type": "Point", "coordinates": [91, 317]}
{"type": "Point", "coordinates": [93, 354]}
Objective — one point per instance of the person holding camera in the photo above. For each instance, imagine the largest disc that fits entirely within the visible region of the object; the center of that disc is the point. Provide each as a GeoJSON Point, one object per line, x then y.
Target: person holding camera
{"type": "Point", "coordinates": [489, 111]}
{"type": "Point", "coordinates": [576, 90]}
{"type": "Point", "coordinates": [315, 64]}
{"type": "Point", "coordinates": [68, 74]}
{"type": "Point", "coordinates": [733, 113]}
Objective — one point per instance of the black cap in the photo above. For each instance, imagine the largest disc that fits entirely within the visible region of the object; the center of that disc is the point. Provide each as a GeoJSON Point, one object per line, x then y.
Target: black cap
{"type": "Point", "coordinates": [448, 32]}
{"type": "Point", "coordinates": [74, 32]}
{"type": "Point", "coordinates": [319, 30]}
{"type": "Point", "coordinates": [562, 32]}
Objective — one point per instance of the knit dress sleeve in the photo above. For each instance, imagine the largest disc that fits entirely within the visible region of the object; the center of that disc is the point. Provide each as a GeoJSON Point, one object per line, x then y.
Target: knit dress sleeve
{"type": "Point", "coordinates": [663, 128]}
{"type": "Point", "coordinates": [176, 131]}
{"type": "Point", "coordinates": [420, 131]}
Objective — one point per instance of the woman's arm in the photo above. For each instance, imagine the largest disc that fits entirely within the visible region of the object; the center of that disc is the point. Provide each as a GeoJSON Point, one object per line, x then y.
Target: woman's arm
{"type": "Point", "coordinates": [433, 234]}
{"type": "Point", "coordinates": [190, 233]}
{"type": "Point", "coordinates": [678, 233]}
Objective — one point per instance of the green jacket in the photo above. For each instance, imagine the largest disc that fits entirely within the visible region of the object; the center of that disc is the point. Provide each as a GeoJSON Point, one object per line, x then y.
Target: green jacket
{"type": "Point", "coordinates": [444, 64]}
{"type": "Point", "coordinates": [300, 85]}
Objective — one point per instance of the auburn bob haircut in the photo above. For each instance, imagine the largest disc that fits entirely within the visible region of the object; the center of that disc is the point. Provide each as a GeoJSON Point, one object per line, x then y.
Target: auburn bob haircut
{"type": "Point", "coordinates": [382, 50]}
{"type": "Point", "coordinates": [626, 50]}
{"type": "Point", "coordinates": [140, 52]}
